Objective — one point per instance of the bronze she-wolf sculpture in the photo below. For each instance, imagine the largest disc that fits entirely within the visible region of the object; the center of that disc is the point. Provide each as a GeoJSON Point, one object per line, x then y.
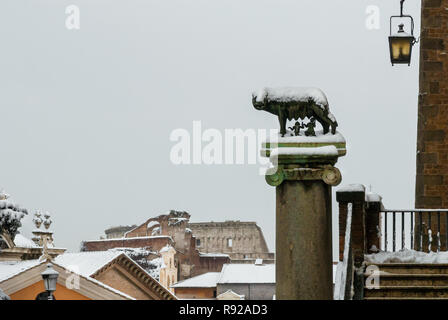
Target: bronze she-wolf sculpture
{"type": "Point", "coordinates": [296, 103]}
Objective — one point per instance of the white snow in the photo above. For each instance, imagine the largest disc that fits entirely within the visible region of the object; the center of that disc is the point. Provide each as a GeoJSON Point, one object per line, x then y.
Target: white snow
{"type": "Point", "coordinates": [232, 294]}
{"type": "Point", "coordinates": [286, 94]}
{"type": "Point", "coordinates": [165, 248]}
{"type": "Point", "coordinates": [407, 256]}
{"type": "Point", "coordinates": [23, 242]}
{"type": "Point", "coordinates": [341, 270]}
{"type": "Point", "coordinates": [9, 269]}
{"type": "Point", "coordinates": [205, 280]}
{"type": "Point", "coordinates": [373, 197]}
{"type": "Point", "coordinates": [247, 273]}
{"type": "Point", "coordinates": [317, 151]}
{"type": "Point", "coordinates": [335, 269]}
{"type": "Point", "coordinates": [302, 138]}
{"type": "Point", "coordinates": [352, 188]}
{"type": "Point", "coordinates": [152, 223]}
{"type": "Point", "coordinates": [177, 220]}
{"type": "Point", "coordinates": [156, 231]}
{"type": "Point", "coordinates": [131, 238]}
{"type": "Point", "coordinates": [86, 263]}
{"type": "Point", "coordinates": [131, 252]}
{"type": "Point", "coordinates": [157, 264]}
{"type": "Point", "coordinates": [211, 254]}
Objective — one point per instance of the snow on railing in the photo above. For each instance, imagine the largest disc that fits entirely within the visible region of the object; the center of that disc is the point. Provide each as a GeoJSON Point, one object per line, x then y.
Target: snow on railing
{"type": "Point", "coordinates": [416, 229]}
{"type": "Point", "coordinates": [344, 271]}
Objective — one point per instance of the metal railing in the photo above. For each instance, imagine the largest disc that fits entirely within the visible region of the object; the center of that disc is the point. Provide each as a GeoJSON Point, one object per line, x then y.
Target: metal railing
{"type": "Point", "coordinates": [418, 229]}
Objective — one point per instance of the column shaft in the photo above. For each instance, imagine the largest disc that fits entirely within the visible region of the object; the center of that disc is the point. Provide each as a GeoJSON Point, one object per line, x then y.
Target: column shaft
{"type": "Point", "coordinates": [303, 240]}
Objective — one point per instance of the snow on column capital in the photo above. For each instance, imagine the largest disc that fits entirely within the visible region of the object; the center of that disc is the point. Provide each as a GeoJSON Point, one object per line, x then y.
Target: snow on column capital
{"type": "Point", "coordinates": [301, 144]}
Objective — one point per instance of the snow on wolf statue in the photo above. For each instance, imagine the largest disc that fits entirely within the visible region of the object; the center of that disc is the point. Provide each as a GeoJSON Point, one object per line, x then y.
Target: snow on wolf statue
{"type": "Point", "coordinates": [290, 103]}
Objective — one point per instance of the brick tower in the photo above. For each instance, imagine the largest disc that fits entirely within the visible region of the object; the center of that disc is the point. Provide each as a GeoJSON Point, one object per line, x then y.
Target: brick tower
{"type": "Point", "coordinates": [431, 185]}
{"type": "Point", "coordinates": [432, 132]}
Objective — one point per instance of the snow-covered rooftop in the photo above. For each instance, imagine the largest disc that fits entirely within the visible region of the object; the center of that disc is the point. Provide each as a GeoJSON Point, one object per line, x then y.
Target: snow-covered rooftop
{"type": "Point", "coordinates": [247, 273]}
{"type": "Point", "coordinates": [9, 269]}
{"type": "Point", "coordinates": [206, 280]}
{"type": "Point", "coordinates": [86, 263]}
{"type": "Point", "coordinates": [23, 242]}
{"type": "Point", "coordinates": [286, 94]}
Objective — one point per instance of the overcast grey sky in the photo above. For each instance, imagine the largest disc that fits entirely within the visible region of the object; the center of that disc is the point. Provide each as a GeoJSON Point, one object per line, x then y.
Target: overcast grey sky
{"type": "Point", "coordinates": [87, 114]}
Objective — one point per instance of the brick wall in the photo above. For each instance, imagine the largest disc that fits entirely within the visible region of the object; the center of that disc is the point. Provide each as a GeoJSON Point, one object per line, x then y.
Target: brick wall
{"type": "Point", "coordinates": [432, 137]}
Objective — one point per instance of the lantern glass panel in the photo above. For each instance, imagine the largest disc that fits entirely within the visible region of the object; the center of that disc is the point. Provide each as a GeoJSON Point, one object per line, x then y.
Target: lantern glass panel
{"type": "Point", "coordinates": [400, 49]}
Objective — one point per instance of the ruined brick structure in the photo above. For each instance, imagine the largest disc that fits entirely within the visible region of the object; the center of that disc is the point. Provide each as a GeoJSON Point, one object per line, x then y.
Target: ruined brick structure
{"type": "Point", "coordinates": [156, 233]}
{"type": "Point", "coordinates": [155, 243]}
{"type": "Point", "coordinates": [240, 240]}
{"type": "Point", "coordinates": [432, 137]}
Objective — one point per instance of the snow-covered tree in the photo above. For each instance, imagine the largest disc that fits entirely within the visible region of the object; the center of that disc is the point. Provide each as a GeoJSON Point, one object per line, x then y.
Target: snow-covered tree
{"type": "Point", "coordinates": [10, 216]}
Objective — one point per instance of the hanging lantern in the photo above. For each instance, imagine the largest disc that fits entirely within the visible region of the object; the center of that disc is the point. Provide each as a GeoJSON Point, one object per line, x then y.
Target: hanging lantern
{"type": "Point", "coordinates": [401, 42]}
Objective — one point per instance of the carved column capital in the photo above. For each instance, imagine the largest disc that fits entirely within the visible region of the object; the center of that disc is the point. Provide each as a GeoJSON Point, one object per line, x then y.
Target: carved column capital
{"type": "Point", "coordinates": [328, 173]}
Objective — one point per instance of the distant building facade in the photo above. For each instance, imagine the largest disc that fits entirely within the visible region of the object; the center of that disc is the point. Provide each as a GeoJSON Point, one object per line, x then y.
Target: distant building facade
{"type": "Point", "coordinates": [240, 240]}
{"type": "Point", "coordinates": [199, 247]}
{"type": "Point", "coordinates": [166, 230]}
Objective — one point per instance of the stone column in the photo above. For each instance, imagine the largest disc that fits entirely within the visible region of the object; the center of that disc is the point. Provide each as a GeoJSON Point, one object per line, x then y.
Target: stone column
{"type": "Point", "coordinates": [303, 174]}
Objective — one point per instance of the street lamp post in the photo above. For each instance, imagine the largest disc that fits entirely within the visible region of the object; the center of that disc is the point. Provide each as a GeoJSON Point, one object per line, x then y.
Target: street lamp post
{"type": "Point", "coordinates": [50, 277]}
{"type": "Point", "coordinates": [401, 42]}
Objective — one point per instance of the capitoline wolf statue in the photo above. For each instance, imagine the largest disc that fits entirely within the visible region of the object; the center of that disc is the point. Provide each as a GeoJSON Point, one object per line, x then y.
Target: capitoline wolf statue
{"type": "Point", "coordinates": [296, 103]}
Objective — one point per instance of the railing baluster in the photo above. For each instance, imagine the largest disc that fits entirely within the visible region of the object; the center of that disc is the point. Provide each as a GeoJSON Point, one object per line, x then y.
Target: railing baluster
{"type": "Point", "coordinates": [420, 231]}
{"type": "Point", "coordinates": [429, 232]}
{"type": "Point", "coordinates": [423, 231]}
{"type": "Point", "coordinates": [446, 231]}
{"type": "Point", "coordinates": [393, 232]}
{"type": "Point", "coordinates": [438, 231]}
{"type": "Point", "coordinates": [412, 230]}
{"type": "Point", "coordinates": [385, 231]}
{"type": "Point", "coordinates": [402, 230]}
